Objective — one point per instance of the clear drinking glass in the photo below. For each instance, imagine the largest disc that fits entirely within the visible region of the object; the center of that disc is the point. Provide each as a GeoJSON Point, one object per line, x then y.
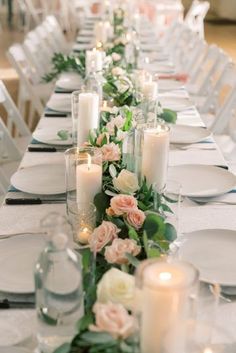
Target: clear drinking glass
{"type": "Point", "coordinates": [83, 176]}
{"type": "Point", "coordinates": [168, 201]}
{"type": "Point", "coordinates": [59, 293]}
{"type": "Point", "coordinates": [83, 221]}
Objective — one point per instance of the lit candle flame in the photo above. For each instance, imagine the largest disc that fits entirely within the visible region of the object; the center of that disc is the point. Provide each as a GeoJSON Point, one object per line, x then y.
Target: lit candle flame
{"type": "Point", "coordinates": [166, 276]}
{"type": "Point", "coordinates": [207, 350]}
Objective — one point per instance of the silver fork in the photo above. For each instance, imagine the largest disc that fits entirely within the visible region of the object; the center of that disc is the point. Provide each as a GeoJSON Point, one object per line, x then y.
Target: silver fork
{"type": "Point", "coordinates": [212, 202]}
{"type": "Point", "coordinates": [189, 147]}
{"type": "Point", "coordinates": [6, 236]}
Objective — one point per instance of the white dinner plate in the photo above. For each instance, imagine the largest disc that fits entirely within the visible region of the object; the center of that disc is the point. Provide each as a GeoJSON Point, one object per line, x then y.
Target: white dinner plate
{"type": "Point", "coordinates": [60, 102]}
{"type": "Point", "coordinates": [50, 137]}
{"type": "Point", "coordinates": [15, 327]}
{"type": "Point", "coordinates": [199, 180]}
{"type": "Point", "coordinates": [168, 84]}
{"type": "Point", "coordinates": [69, 80]}
{"type": "Point", "coordinates": [185, 134]}
{"type": "Point", "coordinates": [212, 252]}
{"type": "Point", "coordinates": [84, 46]}
{"type": "Point", "coordinates": [175, 103]}
{"type": "Point", "coordinates": [18, 256]}
{"type": "Point", "coordinates": [14, 350]}
{"type": "Point", "coordinates": [41, 179]}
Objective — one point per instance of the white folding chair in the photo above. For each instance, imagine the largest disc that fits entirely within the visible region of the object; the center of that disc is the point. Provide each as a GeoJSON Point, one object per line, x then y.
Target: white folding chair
{"type": "Point", "coordinates": [194, 18]}
{"type": "Point", "coordinates": [30, 81]}
{"type": "Point", "coordinates": [16, 125]}
{"type": "Point", "coordinates": [202, 74]}
{"type": "Point", "coordinates": [219, 106]}
{"type": "Point", "coordinates": [56, 32]}
{"type": "Point", "coordinates": [10, 156]}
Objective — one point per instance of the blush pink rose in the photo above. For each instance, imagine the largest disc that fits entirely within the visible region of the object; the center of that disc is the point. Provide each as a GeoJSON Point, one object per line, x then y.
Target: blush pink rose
{"type": "Point", "coordinates": [136, 218]}
{"type": "Point", "coordinates": [110, 152]}
{"type": "Point", "coordinates": [103, 235]}
{"type": "Point", "coordinates": [114, 319]}
{"type": "Point", "coordinates": [101, 137]}
{"type": "Point", "coordinates": [122, 204]}
{"type": "Point", "coordinates": [116, 252]}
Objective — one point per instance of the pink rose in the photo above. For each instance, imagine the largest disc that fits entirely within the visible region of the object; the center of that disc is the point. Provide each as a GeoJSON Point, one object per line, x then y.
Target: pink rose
{"type": "Point", "coordinates": [123, 204]}
{"type": "Point", "coordinates": [101, 137]}
{"type": "Point", "coordinates": [116, 252]}
{"type": "Point", "coordinates": [110, 152]}
{"type": "Point", "coordinates": [118, 121]}
{"type": "Point", "coordinates": [136, 218]}
{"type": "Point", "coordinates": [114, 319]}
{"type": "Point", "coordinates": [103, 235]}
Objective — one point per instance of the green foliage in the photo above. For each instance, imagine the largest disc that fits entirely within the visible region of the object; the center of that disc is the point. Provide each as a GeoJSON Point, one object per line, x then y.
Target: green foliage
{"type": "Point", "coordinates": [169, 116]}
{"type": "Point", "coordinates": [65, 63]}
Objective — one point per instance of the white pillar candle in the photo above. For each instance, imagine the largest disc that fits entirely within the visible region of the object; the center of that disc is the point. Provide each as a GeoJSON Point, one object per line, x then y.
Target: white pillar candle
{"type": "Point", "coordinates": [155, 155]}
{"type": "Point", "coordinates": [88, 182]}
{"type": "Point", "coordinates": [94, 60]}
{"type": "Point", "coordinates": [101, 32]}
{"type": "Point", "coordinates": [166, 292]}
{"type": "Point", "coordinates": [88, 115]}
{"type": "Point", "coordinates": [150, 90]}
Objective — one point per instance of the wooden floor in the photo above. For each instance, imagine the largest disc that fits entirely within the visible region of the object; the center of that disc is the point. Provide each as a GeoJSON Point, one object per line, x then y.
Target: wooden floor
{"type": "Point", "coordinates": [223, 34]}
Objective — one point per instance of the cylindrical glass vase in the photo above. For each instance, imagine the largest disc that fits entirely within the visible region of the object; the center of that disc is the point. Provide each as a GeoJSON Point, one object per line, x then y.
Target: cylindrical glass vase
{"type": "Point", "coordinates": [83, 176]}
{"type": "Point", "coordinates": [165, 293]}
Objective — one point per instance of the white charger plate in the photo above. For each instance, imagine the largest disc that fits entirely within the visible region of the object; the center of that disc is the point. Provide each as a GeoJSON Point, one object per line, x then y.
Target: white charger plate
{"type": "Point", "coordinates": [18, 256]}
{"type": "Point", "coordinates": [50, 137]}
{"type": "Point", "coordinates": [168, 84]}
{"type": "Point", "coordinates": [176, 103]}
{"type": "Point", "coordinates": [69, 80]}
{"type": "Point", "coordinates": [84, 46]}
{"type": "Point", "coordinates": [199, 180]}
{"type": "Point", "coordinates": [60, 102]}
{"type": "Point", "coordinates": [212, 252]}
{"type": "Point", "coordinates": [14, 350]}
{"type": "Point", "coordinates": [15, 327]}
{"type": "Point", "coordinates": [42, 179]}
{"type": "Point", "coordinates": [185, 134]}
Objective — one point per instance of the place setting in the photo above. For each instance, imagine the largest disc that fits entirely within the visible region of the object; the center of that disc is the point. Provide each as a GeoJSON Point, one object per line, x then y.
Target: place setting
{"type": "Point", "coordinates": [117, 227]}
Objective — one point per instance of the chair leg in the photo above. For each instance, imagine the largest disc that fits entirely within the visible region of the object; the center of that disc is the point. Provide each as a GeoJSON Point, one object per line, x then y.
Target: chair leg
{"type": "Point", "coordinates": [31, 116]}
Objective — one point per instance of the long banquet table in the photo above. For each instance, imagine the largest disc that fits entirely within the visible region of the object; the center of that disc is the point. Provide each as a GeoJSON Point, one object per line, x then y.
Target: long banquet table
{"type": "Point", "coordinates": [25, 219]}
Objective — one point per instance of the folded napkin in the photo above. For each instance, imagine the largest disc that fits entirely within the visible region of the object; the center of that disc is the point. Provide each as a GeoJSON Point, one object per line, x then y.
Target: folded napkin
{"type": "Point", "coordinates": [208, 217]}
{"type": "Point", "coordinates": [15, 219]}
{"type": "Point", "coordinates": [196, 156]}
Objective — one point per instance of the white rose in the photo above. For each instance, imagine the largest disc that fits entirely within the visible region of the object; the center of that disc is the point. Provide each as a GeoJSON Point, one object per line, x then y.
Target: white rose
{"type": "Point", "coordinates": [126, 182]}
{"type": "Point", "coordinates": [117, 287]}
{"type": "Point", "coordinates": [117, 71]}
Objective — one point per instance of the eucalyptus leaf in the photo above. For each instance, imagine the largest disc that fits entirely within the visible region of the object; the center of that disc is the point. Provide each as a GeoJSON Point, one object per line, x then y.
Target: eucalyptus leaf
{"type": "Point", "coordinates": [154, 226]}
{"type": "Point", "coordinates": [97, 337]}
{"type": "Point", "coordinates": [65, 348]}
{"type": "Point", "coordinates": [133, 260]}
{"type": "Point", "coordinates": [85, 321]}
{"type": "Point", "coordinates": [170, 232]}
{"type": "Point", "coordinates": [63, 134]}
{"type": "Point", "coordinates": [169, 116]}
{"type": "Point", "coordinates": [112, 171]}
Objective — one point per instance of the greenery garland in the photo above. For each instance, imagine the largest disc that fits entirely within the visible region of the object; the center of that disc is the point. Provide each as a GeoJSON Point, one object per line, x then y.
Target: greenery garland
{"type": "Point", "coordinates": [145, 229]}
